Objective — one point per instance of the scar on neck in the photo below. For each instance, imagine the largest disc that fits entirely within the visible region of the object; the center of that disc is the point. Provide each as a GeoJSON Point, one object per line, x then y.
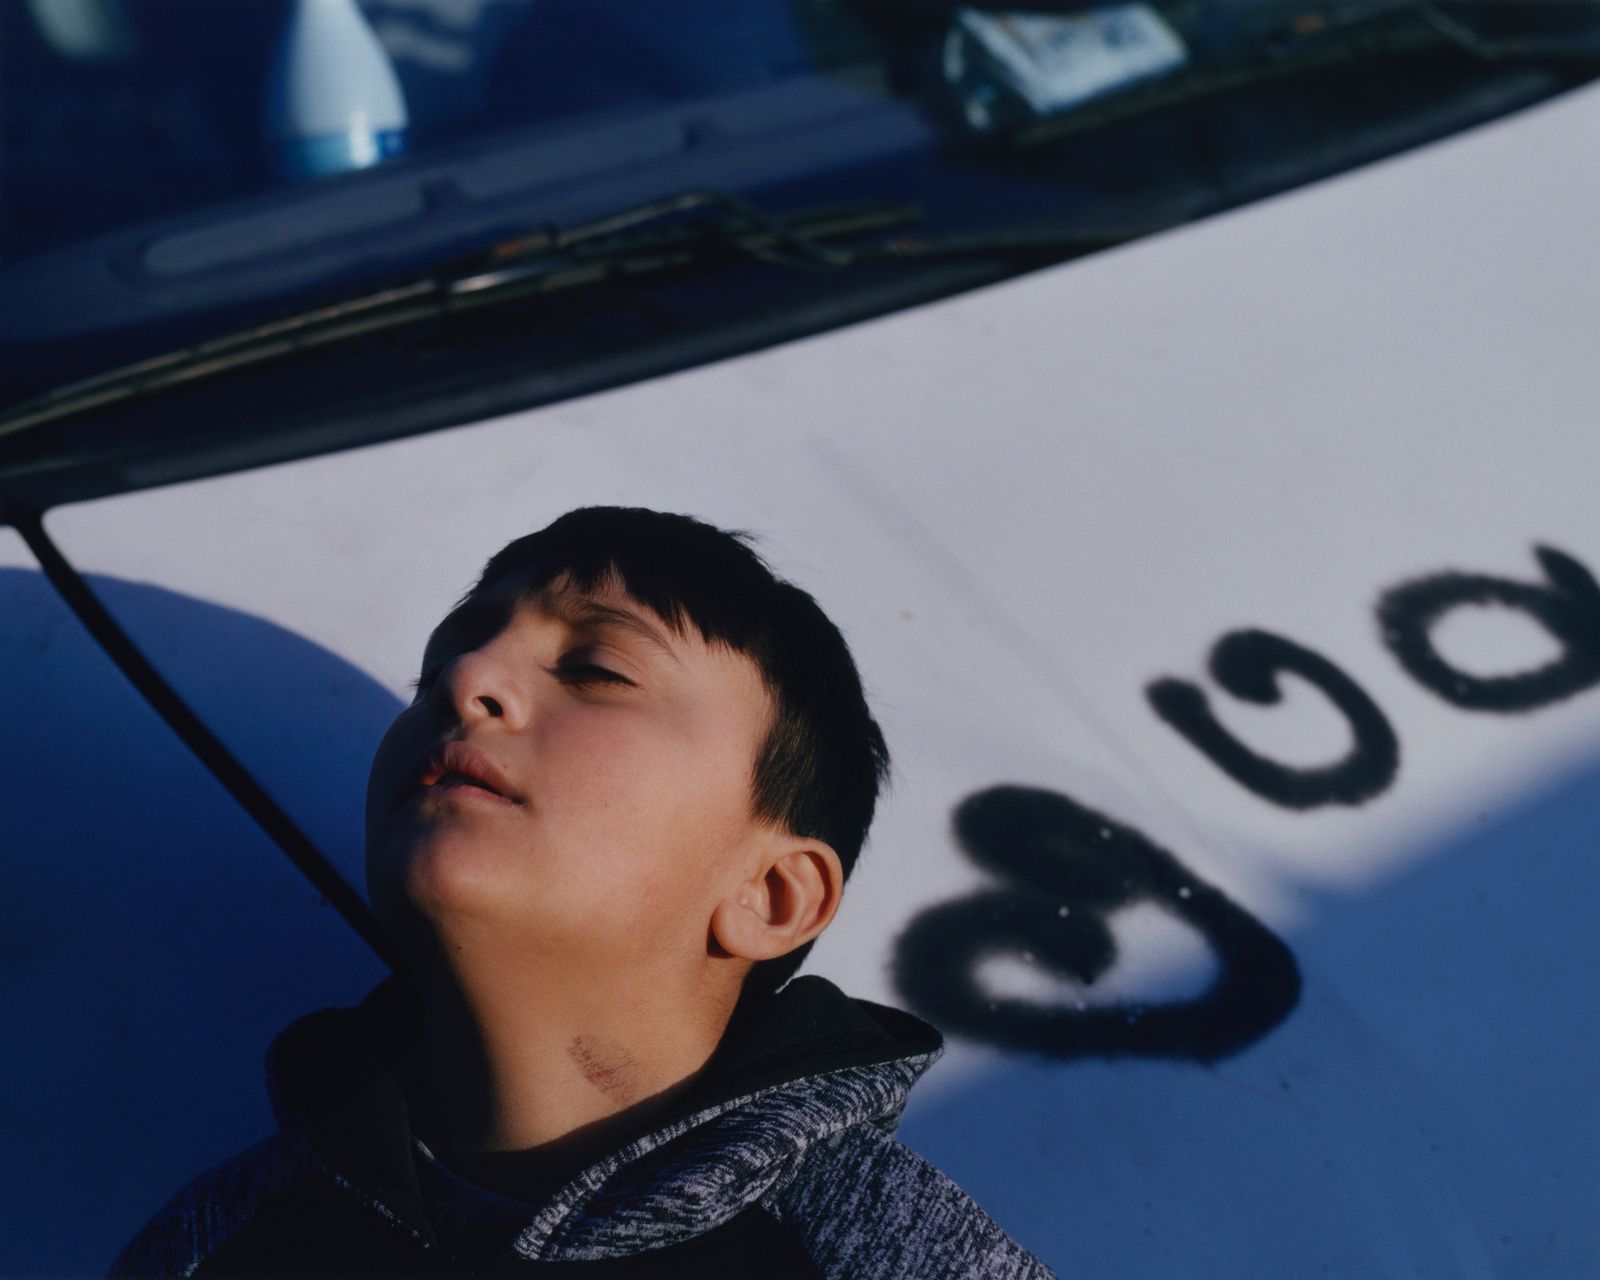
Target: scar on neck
{"type": "Point", "coordinates": [608, 1067]}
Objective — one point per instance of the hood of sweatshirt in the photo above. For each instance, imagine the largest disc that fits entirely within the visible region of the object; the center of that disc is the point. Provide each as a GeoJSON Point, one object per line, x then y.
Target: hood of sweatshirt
{"type": "Point", "coordinates": [792, 1070]}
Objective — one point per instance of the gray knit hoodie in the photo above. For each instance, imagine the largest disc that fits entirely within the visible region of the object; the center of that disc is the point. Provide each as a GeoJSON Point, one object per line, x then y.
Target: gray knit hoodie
{"type": "Point", "coordinates": [780, 1162]}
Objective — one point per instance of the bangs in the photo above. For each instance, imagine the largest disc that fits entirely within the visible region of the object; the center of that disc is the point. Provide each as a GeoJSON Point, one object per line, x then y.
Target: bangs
{"type": "Point", "coordinates": [687, 573]}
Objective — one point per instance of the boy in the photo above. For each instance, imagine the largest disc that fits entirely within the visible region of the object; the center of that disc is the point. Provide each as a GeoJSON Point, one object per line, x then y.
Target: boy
{"type": "Point", "coordinates": [622, 804]}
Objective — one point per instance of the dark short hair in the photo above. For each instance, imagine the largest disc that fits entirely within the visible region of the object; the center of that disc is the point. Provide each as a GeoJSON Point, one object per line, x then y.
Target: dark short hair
{"type": "Point", "coordinates": [819, 769]}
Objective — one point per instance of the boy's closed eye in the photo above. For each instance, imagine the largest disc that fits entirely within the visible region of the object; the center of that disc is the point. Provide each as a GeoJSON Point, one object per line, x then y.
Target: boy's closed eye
{"type": "Point", "coordinates": [591, 672]}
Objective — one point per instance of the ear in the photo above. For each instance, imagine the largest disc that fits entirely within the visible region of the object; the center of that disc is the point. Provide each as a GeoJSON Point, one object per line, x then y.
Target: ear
{"type": "Point", "coordinates": [791, 898]}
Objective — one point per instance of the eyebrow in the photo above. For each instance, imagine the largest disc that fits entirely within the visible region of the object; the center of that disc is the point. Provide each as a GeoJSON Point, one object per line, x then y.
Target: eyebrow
{"type": "Point", "coordinates": [580, 612]}
{"type": "Point", "coordinates": [585, 614]}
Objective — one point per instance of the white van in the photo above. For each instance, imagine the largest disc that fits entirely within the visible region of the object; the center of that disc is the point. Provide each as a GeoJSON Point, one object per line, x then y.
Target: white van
{"type": "Point", "coordinates": [1183, 408]}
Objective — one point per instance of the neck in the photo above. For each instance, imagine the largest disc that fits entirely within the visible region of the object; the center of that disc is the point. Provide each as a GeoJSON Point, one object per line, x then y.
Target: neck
{"type": "Point", "coordinates": [520, 1076]}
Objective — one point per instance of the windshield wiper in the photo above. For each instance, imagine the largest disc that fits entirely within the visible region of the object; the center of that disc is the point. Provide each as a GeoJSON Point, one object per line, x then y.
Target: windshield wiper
{"type": "Point", "coordinates": [551, 260]}
{"type": "Point", "coordinates": [621, 245]}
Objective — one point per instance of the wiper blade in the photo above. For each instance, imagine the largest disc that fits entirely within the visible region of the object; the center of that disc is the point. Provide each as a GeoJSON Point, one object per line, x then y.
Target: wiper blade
{"type": "Point", "coordinates": [544, 261]}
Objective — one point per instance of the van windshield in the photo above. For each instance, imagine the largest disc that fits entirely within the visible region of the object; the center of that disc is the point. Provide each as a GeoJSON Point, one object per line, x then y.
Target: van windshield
{"type": "Point", "coordinates": [179, 172]}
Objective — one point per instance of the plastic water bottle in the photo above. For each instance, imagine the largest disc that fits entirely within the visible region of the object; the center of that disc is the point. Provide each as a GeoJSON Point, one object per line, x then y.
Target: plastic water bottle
{"type": "Point", "coordinates": [334, 102]}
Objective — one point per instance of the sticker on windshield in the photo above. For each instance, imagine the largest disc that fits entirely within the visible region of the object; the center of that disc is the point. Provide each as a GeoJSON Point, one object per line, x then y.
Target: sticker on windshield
{"type": "Point", "coordinates": [1012, 66]}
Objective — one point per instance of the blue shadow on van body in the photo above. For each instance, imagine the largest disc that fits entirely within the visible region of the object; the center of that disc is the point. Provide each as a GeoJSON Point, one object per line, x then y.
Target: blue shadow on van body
{"type": "Point", "coordinates": [153, 939]}
{"type": "Point", "coordinates": [301, 719]}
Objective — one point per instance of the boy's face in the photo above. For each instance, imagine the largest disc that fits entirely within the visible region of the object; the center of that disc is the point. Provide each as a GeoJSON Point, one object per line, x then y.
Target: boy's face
{"type": "Point", "coordinates": [571, 784]}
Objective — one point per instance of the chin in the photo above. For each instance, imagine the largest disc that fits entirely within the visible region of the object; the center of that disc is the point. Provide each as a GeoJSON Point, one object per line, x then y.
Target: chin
{"type": "Point", "coordinates": [460, 885]}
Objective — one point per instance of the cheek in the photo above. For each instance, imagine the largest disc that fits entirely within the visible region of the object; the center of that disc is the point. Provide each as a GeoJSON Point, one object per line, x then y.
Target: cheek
{"type": "Point", "coordinates": [383, 781]}
{"type": "Point", "coordinates": [659, 775]}
{"type": "Point", "coordinates": [649, 810]}
{"type": "Point", "coordinates": [389, 762]}
{"type": "Point", "coordinates": [699, 812]}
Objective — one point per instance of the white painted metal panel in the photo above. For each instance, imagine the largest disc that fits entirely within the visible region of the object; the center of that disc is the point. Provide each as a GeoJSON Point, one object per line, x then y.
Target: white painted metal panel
{"type": "Point", "coordinates": [1025, 505]}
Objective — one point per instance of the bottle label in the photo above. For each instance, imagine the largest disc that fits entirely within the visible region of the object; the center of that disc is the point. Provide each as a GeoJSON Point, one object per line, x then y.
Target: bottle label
{"type": "Point", "coordinates": [332, 153]}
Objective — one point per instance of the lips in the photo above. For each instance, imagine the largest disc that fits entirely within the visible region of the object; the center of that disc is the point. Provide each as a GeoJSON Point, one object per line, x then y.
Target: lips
{"type": "Point", "coordinates": [461, 767]}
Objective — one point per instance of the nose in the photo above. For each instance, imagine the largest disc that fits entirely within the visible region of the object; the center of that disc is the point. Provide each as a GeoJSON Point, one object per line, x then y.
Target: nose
{"type": "Point", "coordinates": [482, 684]}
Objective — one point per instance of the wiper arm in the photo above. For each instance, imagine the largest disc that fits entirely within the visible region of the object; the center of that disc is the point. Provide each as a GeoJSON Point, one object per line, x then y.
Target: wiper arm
{"type": "Point", "coordinates": [544, 261]}
{"type": "Point", "coordinates": [754, 231]}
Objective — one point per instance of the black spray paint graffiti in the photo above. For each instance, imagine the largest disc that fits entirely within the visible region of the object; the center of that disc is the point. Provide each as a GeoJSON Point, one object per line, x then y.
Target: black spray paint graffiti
{"type": "Point", "coordinates": [1065, 869]}
{"type": "Point", "coordinates": [1247, 664]}
{"type": "Point", "coordinates": [1568, 608]}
